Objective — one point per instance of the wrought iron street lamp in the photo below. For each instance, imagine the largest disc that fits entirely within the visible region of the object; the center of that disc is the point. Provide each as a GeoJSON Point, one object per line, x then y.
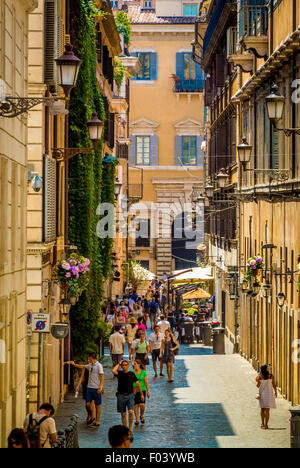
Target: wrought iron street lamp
{"type": "Point", "coordinates": [95, 127]}
{"type": "Point", "coordinates": [222, 178]}
{"type": "Point", "coordinates": [280, 299]}
{"type": "Point", "coordinates": [65, 306]}
{"type": "Point", "coordinates": [209, 190]}
{"type": "Point", "coordinates": [68, 66]}
{"type": "Point", "coordinates": [266, 288]}
{"type": "Point", "coordinates": [244, 152]}
{"type": "Point", "coordinates": [118, 187]}
{"type": "Point", "coordinates": [275, 106]}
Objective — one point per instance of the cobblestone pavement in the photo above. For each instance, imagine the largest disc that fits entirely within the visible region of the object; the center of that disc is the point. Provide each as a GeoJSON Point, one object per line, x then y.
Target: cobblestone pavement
{"type": "Point", "coordinates": [211, 404]}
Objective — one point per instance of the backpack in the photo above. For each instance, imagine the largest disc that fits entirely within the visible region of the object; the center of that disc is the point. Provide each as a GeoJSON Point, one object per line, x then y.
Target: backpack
{"type": "Point", "coordinates": [153, 308]}
{"type": "Point", "coordinates": [33, 431]}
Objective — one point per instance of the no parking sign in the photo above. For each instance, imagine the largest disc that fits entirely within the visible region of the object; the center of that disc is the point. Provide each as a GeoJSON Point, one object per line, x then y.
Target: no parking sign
{"type": "Point", "coordinates": [41, 323]}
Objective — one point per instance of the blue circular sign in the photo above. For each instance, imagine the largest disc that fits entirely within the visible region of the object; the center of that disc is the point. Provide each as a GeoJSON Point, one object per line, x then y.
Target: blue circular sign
{"type": "Point", "coordinates": [40, 325]}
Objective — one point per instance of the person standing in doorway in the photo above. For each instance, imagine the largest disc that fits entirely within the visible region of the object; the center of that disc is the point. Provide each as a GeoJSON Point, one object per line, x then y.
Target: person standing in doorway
{"type": "Point", "coordinates": [94, 388]}
{"type": "Point", "coordinates": [125, 393]}
{"type": "Point", "coordinates": [155, 340]}
{"type": "Point", "coordinates": [267, 394]}
{"type": "Point", "coordinates": [116, 346]}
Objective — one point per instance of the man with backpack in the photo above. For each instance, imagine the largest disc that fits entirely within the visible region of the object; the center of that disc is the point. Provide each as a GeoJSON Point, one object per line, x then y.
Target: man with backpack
{"type": "Point", "coordinates": [40, 427]}
{"type": "Point", "coordinates": [153, 309]}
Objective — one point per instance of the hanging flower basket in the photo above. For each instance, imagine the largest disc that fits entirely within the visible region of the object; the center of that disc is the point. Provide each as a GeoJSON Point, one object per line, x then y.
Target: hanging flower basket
{"type": "Point", "coordinates": [72, 276]}
{"type": "Point", "coordinates": [254, 264]}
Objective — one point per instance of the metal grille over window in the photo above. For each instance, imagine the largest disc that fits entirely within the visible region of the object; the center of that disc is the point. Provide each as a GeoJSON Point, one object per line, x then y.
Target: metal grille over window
{"type": "Point", "coordinates": [49, 199]}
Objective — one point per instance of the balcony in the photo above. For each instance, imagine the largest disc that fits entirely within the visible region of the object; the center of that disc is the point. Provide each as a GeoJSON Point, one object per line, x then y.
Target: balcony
{"type": "Point", "coordinates": [221, 17]}
{"type": "Point", "coordinates": [254, 29]}
{"type": "Point", "coordinates": [135, 192]}
{"type": "Point", "coordinates": [234, 52]}
{"type": "Point", "coordinates": [188, 86]}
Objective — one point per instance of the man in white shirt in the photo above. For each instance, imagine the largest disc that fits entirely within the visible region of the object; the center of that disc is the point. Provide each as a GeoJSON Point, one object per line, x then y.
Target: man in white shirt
{"type": "Point", "coordinates": [117, 346]}
{"type": "Point", "coordinates": [47, 429]}
{"type": "Point", "coordinates": [94, 388]}
{"type": "Point", "coordinates": [155, 340]}
{"type": "Point", "coordinates": [163, 324]}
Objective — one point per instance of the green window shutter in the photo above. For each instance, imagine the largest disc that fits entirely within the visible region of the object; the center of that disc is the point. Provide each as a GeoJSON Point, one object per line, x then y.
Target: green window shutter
{"type": "Point", "coordinates": [180, 65]}
{"type": "Point", "coordinates": [178, 150]}
{"type": "Point", "coordinates": [154, 150]}
{"type": "Point", "coordinates": [132, 151]}
{"type": "Point", "coordinates": [49, 199]}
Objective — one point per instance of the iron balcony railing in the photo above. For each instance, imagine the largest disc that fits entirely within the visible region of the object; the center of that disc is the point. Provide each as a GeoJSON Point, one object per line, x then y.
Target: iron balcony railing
{"type": "Point", "coordinates": [254, 20]}
{"type": "Point", "coordinates": [69, 437]}
{"type": "Point", "coordinates": [189, 86]}
{"type": "Point", "coordinates": [214, 21]}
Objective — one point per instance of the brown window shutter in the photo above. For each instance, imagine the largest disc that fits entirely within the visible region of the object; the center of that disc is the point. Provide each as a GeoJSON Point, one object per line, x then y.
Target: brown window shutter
{"type": "Point", "coordinates": [50, 42]}
{"type": "Point", "coordinates": [220, 64]}
{"type": "Point", "coordinates": [208, 93]}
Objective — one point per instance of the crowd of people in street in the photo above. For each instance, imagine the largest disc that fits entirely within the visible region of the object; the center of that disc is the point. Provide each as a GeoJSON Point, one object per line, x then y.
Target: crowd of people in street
{"type": "Point", "coordinates": [130, 317]}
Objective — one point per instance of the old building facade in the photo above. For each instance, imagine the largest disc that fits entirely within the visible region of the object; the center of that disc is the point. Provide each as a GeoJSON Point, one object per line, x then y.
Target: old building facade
{"type": "Point", "coordinates": [14, 39]}
{"type": "Point", "coordinates": [166, 151]}
{"type": "Point", "coordinates": [257, 47]}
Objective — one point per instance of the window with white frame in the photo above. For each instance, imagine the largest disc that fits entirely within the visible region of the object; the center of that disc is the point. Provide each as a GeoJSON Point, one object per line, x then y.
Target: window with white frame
{"type": "Point", "coordinates": [143, 150]}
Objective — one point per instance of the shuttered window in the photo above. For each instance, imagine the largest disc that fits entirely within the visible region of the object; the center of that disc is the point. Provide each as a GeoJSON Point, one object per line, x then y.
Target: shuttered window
{"type": "Point", "coordinates": [188, 151]}
{"type": "Point", "coordinates": [220, 70]}
{"type": "Point", "coordinates": [189, 73]}
{"type": "Point", "coordinates": [148, 66]}
{"type": "Point", "coordinates": [54, 41]}
{"type": "Point", "coordinates": [143, 150]}
{"type": "Point", "coordinates": [49, 199]}
{"type": "Point", "coordinates": [275, 149]}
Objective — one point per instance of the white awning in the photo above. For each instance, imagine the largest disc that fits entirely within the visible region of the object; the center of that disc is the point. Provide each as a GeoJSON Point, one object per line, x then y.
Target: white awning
{"type": "Point", "coordinates": [196, 275]}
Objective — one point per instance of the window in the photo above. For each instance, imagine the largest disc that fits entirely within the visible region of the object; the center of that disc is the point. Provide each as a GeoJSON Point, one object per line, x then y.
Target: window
{"type": "Point", "coordinates": [190, 10]}
{"type": "Point", "coordinates": [189, 150]}
{"type": "Point", "coordinates": [147, 4]}
{"type": "Point", "coordinates": [143, 150]}
{"type": "Point", "coordinates": [114, 4]}
{"type": "Point", "coordinates": [189, 73]}
{"type": "Point", "coordinates": [145, 264]}
{"type": "Point", "coordinates": [148, 66]}
{"type": "Point", "coordinates": [142, 233]}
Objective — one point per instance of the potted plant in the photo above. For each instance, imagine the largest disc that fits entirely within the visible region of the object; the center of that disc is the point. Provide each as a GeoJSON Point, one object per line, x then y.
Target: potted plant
{"type": "Point", "coordinates": [254, 264]}
{"type": "Point", "coordinates": [71, 275]}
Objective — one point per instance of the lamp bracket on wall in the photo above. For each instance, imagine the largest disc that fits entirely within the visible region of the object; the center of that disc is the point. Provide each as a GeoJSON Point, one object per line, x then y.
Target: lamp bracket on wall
{"type": "Point", "coordinates": [15, 106]}
{"type": "Point", "coordinates": [63, 154]}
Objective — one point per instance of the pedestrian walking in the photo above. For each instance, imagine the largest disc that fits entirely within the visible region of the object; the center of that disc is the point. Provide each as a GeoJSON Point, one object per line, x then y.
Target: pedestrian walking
{"type": "Point", "coordinates": [94, 388]}
{"type": "Point", "coordinates": [267, 393]}
{"type": "Point", "coordinates": [40, 427]}
{"type": "Point", "coordinates": [116, 346]}
{"type": "Point", "coordinates": [168, 346]}
{"type": "Point", "coordinates": [17, 439]}
{"type": "Point", "coordinates": [142, 349]}
{"type": "Point", "coordinates": [83, 380]}
{"type": "Point", "coordinates": [171, 319]}
{"type": "Point", "coordinates": [163, 324]}
{"type": "Point", "coordinates": [155, 340]}
{"type": "Point", "coordinates": [132, 328]}
{"type": "Point", "coordinates": [125, 393]}
{"type": "Point", "coordinates": [153, 311]}
{"type": "Point", "coordinates": [139, 405]}
{"type": "Point", "coordinates": [119, 437]}
{"type": "Point", "coordinates": [141, 324]}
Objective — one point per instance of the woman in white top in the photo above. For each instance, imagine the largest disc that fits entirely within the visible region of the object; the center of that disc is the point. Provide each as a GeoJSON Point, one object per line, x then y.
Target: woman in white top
{"type": "Point", "coordinates": [267, 394]}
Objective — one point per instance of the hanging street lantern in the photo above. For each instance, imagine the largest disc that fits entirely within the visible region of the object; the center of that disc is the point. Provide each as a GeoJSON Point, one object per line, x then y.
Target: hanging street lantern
{"type": "Point", "coordinates": [68, 67]}
{"type": "Point", "coordinates": [209, 190]}
{"type": "Point", "coordinates": [244, 152]}
{"type": "Point", "coordinates": [280, 299]}
{"type": "Point", "coordinates": [95, 127]}
{"type": "Point", "coordinates": [275, 104]}
{"type": "Point", "coordinates": [64, 306]}
{"type": "Point", "coordinates": [222, 178]}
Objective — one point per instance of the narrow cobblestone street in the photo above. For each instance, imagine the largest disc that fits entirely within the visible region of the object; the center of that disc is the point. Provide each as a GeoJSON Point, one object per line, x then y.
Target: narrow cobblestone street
{"type": "Point", "coordinates": [211, 404]}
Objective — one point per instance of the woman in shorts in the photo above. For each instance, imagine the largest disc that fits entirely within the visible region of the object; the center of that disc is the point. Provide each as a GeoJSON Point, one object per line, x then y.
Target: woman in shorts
{"type": "Point", "coordinates": [168, 346]}
{"type": "Point", "coordinates": [139, 405]}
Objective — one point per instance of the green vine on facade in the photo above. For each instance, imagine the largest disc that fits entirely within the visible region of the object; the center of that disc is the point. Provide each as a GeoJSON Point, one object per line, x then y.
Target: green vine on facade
{"type": "Point", "coordinates": [86, 177]}
{"type": "Point", "coordinates": [123, 24]}
{"type": "Point", "coordinates": [119, 73]}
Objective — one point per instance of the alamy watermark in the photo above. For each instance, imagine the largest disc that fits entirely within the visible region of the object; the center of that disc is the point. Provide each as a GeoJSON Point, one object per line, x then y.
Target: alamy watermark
{"type": "Point", "coordinates": [153, 221]}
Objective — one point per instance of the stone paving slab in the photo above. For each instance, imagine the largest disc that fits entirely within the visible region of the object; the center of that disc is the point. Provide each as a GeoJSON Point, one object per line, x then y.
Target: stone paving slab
{"type": "Point", "coordinates": [211, 404]}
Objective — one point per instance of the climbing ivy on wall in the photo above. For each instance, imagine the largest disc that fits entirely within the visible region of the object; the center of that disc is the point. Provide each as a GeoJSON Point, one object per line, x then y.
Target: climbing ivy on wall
{"type": "Point", "coordinates": [86, 179]}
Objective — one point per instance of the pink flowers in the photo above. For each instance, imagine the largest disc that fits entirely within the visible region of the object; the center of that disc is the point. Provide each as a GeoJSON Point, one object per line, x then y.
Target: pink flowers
{"type": "Point", "coordinates": [66, 266]}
